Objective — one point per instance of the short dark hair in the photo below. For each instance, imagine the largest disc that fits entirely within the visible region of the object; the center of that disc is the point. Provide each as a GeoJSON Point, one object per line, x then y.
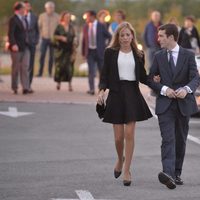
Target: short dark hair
{"type": "Point", "coordinates": [18, 5]}
{"type": "Point", "coordinates": [191, 18]}
{"type": "Point", "coordinates": [26, 1]}
{"type": "Point", "coordinates": [92, 13]}
{"type": "Point", "coordinates": [170, 29]}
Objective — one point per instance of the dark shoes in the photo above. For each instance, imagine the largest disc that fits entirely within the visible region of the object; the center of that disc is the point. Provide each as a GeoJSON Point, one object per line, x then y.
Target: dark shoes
{"type": "Point", "coordinates": [127, 182]}
{"type": "Point", "coordinates": [117, 174]}
{"type": "Point", "coordinates": [167, 180]}
{"type": "Point", "coordinates": [15, 91]}
{"type": "Point", "coordinates": [91, 92]}
{"type": "Point", "coordinates": [179, 181]}
{"type": "Point", "coordinates": [25, 91]}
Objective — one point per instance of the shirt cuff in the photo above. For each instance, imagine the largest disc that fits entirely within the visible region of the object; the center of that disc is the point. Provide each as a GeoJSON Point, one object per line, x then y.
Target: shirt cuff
{"type": "Point", "coordinates": [187, 88]}
{"type": "Point", "coordinates": [163, 90]}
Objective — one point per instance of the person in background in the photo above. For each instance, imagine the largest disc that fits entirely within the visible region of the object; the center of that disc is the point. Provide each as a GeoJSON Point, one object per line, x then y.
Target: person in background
{"type": "Point", "coordinates": [189, 36]}
{"type": "Point", "coordinates": [47, 23]}
{"type": "Point", "coordinates": [64, 46]}
{"type": "Point", "coordinates": [122, 71]}
{"type": "Point", "coordinates": [18, 46]}
{"type": "Point", "coordinates": [101, 17]}
{"type": "Point", "coordinates": [150, 35]}
{"type": "Point", "coordinates": [173, 20]}
{"type": "Point", "coordinates": [119, 17]}
{"type": "Point", "coordinates": [33, 38]}
{"type": "Point", "coordinates": [93, 46]}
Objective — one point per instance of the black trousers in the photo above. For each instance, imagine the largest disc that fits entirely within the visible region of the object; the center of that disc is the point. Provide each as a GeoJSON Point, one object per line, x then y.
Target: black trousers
{"type": "Point", "coordinates": [174, 129]}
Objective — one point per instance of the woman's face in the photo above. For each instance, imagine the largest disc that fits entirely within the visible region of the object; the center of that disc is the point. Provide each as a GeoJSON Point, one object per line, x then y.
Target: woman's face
{"type": "Point", "coordinates": [125, 37]}
{"type": "Point", "coordinates": [66, 18]}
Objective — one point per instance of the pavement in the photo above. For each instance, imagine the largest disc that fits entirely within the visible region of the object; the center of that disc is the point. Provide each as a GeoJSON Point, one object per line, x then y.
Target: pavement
{"type": "Point", "coordinates": [45, 91]}
{"type": "Point", "coordinates": [54, 147]}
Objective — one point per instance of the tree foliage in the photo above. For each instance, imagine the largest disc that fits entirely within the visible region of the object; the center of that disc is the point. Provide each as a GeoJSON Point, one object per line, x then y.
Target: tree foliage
{"type": "Point", "coordinates": [137, 11]}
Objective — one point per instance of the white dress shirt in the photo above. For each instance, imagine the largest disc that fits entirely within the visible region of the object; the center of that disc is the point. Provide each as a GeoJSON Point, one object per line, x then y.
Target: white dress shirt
{"type": "Point", "coordinates": [175, 52]}
{"type": "Point", "coordinates": [94, 27]}
{"type": "Point", "coordinates": [126, 66]}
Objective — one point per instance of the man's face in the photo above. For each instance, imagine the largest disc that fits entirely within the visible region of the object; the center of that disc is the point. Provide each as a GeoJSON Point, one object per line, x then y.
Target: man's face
{"type": "Point", "coordinates": [89, 18]}
{"type": "Point", "coordinates": [22, 11]}
{"type": "Point", "coordinates": [27, 7]}
{"type": "Point", "coordinates": [155, 17]}
{"type": "Point", "coordinates": [49, 9]}
{"type": "Point", "coordinates": [188, 23]}
{"type": "Point", "coordinates": [163, 39]}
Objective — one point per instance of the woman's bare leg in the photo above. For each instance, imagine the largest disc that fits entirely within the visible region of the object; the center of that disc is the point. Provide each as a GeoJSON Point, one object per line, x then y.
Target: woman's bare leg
{"type": "Point", "coordinates": [129, 148]}
{"type": "Point", "coordinates": [119, 144]}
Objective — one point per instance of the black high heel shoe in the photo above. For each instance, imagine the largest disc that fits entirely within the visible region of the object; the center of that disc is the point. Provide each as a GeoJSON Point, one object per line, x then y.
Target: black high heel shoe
{"type": "Point", "coordinates": [127, 182]}
{"type": "Point", "coordinates": [117, 174]}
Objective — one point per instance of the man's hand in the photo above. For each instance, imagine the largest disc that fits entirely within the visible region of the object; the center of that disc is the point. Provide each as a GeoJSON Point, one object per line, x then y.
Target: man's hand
{"type": "Point", "coordinates": [171, 93]}
{"type": "Point", "coordinates": [181, 93]}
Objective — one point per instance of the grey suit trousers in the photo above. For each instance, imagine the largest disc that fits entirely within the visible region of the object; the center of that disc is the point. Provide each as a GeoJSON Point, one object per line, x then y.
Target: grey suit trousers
{"type": "Point", "coordinates": [174, 129]}
{"type": "Point", "coordinates": [20, 65]}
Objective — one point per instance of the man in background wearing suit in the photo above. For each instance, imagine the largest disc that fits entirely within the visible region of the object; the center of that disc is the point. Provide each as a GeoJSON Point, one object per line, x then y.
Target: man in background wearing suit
{"type": "Point", "coordinates": [93, 46]}
{"type": "Point", "coordinates": [18, 45]}
{"type": "Point", "coordinates": [33, 36]}
{"type": "Point", "coordinates": [175, 102]}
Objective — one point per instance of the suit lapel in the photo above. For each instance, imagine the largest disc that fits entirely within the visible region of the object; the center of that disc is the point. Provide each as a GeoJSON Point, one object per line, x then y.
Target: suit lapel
{"type": "Point", "coordinates": [115, 60]}
{"type": "Point", "coordinates": [19, 22]}
{"type": "Point", "coordinates": [180, 62]}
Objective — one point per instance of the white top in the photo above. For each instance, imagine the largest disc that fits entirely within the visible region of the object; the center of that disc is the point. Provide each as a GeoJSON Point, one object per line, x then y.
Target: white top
{"type": "Point", "coordinates": [126, 66]}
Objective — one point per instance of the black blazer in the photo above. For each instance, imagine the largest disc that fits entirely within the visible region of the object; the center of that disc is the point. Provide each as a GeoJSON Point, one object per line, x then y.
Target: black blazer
{"type": "Point", "coordinates": [185, 74]}
{"type": "Point", "coordinates": [109, 78]}
{"type": "Point", "coordinates": [184, 38]}
{"type": "Point", "coordinates": [33, 30]}
{"type": "Point", "coordinates": [17, 33]}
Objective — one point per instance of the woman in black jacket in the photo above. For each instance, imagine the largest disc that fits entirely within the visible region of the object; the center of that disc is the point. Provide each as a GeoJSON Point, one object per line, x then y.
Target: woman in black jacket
{"type": "Point", "coordinates": [122, 71]}
{"type": "Point", "coordinates": [189, 36]}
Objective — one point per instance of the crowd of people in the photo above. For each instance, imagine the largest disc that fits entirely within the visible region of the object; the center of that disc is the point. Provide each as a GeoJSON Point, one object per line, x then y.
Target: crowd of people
{"type": "Point", "coordinates": [113, 50]}
{"type": "Point", "coordinates": [56, 34]}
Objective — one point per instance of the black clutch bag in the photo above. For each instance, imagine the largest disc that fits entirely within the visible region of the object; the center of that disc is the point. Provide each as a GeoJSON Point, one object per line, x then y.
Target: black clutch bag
{"type": "Point", "coordinates": [100, 109]}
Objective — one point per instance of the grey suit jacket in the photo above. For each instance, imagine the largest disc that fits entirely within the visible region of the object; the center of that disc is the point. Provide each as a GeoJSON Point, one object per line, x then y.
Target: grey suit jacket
{"type": "Point", "coordinates": [185, 74]}
{"type": "Point", "coordinates": [33, 30]}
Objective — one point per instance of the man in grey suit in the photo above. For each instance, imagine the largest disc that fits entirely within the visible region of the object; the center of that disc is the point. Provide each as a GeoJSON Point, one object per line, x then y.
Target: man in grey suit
{"type": "Point", "coordinates": [33, 36]}
{"type": "Point", "coordinates": [18, 45]}
{"type": "Point", "coordinates": [175, 103]}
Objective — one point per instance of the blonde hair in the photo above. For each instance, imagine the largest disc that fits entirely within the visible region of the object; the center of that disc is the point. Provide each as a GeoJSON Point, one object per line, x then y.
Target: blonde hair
{"type": "Point", "coordinates": [115, 44]}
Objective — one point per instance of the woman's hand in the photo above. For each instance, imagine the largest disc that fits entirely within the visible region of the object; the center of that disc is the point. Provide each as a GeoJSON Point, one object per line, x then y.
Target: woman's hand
{"type": "Point", "coordinates": [156, 79]}
{"type": "Point", "coordinates": [100, 99]}
{"type": "Point", "coordinates": [63, 38]}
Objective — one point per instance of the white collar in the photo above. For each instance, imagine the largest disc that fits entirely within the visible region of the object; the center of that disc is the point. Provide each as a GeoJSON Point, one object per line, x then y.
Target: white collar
{"type": "Point", "coordinates": [176, 49]}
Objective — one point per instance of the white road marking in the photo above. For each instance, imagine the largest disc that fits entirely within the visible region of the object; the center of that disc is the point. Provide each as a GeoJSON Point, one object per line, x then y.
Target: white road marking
{"type": "Point", "coordinates": [13, 112]}
{"type": "Point", "coordinates": [190, 137]}
{"type": "Point", "coordinates": [83, 195]}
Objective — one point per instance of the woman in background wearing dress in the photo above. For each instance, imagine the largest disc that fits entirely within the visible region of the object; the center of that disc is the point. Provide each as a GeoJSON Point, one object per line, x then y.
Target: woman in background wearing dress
{"type": "Point", "coordinates": [64, 46]}
{"type": "Point", "coordinates": [122, 71]}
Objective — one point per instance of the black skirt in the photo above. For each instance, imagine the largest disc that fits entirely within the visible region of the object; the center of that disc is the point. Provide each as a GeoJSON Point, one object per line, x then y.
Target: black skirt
{"type": "Point", "coordinates": [126, 105]}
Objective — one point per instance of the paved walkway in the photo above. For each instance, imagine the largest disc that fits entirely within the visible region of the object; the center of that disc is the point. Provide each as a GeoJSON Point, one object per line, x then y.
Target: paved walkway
{"type": "Point", "coordinates": [45, 91]}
